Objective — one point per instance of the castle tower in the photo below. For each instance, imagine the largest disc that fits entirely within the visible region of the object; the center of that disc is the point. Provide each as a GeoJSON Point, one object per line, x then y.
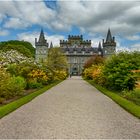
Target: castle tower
{"type": "Point", "coordinates": [51, 45]}
{"type": "Point", "coordinates": [109, 46]}
{"type": "Point", "coordinates": [41, 47]}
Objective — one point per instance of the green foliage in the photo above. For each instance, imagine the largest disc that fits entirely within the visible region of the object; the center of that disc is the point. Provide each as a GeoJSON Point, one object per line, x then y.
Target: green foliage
{"type": "Point", "coordinates": [118, 71]}
{"type": "Point", "coordinates": [87, 73]}
{"type": "Point", "coordinates": [133, 96]}
{"type": "Point", "coordinates": [56, 60]}
{"type": "Point", "coordinates": [60, 75]}
{"type": "Point", "coordinates": [34, 84]}
{"type": "Point", "coordinates": [23, 47]}
{"type": "Point", "coordinates": [4, 80]}
{"type": "Point", "coordinates": [10, 86]}
{"type": "Point", "coordinates": [22, 69]}
{"type": "Point", "coordinates": [15, 86]}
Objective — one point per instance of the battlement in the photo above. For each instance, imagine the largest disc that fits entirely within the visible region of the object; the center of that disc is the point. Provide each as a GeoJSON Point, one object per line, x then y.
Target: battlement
{"type": "Point", "coordinates": [75, 40]}
{"type": "Point", "coordinates": [75, 37]}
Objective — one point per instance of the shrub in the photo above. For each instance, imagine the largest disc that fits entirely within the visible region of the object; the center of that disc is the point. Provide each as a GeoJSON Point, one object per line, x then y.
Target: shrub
{"type": "Point", "coordinates": [22, 69]}
{"type": "Point", "coordinates": [4, 79]}
{"type": "Point", "coordinates": [88, 73]}
{"type": "Point", "coordinates": [16, 85]}
{"type": "Point", "coordinates": [97, 75]}
{"type": "Point", "coordinates": [118, 71]}
{"type": "Point", "coordinates": [60, 75]}
{"type": "Point", "coordinates": [32, 84]}
{"type": "Point", "coordinates": [39, 75]}
{"type": "Point", "coordinates": [2, 100]}
{"type": "Point", "coordinates": [10, 86]}
{"type": "Point", "coordinates": [133, 96]}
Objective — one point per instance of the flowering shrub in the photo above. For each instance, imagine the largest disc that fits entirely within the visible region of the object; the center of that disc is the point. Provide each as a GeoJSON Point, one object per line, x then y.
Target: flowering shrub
{"type": "Point", "coordinates": [97, 75]}
{"type": "Point", "coordinates": [39, 76]}
{"type": "Point", "coordinates": [60, 75]}
{"type": "Point", "coordinates": [88, 73]}
{"type": "Point", "coordinates": [13, 56]}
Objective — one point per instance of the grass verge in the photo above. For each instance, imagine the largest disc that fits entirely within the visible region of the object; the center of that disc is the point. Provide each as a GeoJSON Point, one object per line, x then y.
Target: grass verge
{"type": "Point", "coordinates": [127, 105]}
{"type": "Point", "coordinates": [6, 109]}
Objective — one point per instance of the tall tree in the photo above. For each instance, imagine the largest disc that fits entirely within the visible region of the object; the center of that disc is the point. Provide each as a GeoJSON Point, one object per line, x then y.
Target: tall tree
{"type": "Point", "coordinates": [56, 60]}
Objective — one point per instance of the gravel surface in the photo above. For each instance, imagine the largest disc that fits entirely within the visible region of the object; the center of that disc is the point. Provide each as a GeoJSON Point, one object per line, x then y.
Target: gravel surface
{"type": "Point", "coordinates": [72, 109]}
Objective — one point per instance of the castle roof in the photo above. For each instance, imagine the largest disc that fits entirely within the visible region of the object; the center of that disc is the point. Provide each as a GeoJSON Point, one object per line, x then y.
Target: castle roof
{"type": "Point", "coordinates": [109, 36]}
{"type": "Point", "coordinates": [41, 37]}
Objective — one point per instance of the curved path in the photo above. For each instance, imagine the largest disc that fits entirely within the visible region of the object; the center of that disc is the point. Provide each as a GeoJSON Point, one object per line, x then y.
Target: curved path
{"type": "Point", "coordinates": [73, 109]}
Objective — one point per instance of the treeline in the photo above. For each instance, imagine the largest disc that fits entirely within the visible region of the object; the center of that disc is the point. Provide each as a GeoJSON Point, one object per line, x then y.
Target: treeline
{"type": "Point", "coordinates": [23, 47]}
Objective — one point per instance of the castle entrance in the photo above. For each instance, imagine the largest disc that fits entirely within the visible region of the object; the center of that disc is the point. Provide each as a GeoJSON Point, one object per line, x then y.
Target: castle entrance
{"type": "Point", "coordinates": [74, 70]}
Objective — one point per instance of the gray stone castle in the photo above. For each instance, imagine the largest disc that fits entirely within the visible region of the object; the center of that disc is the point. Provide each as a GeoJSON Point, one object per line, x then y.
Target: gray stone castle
{"type": "Point", "coordinates": [77, 50]}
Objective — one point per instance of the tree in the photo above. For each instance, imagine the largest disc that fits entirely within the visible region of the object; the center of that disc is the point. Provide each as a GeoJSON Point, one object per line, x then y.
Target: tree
{"type": "Point", "coordinates": [56, 60]}
{"type": "Point", "coordinates": [96, 60]}
{"type": "Point", "coordinates": [23, 47]}
{"type": "Point", "coordinates": [118, 70]}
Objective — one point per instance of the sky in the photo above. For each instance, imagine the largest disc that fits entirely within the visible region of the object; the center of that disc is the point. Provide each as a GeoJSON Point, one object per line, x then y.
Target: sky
{"type": "Point", "coordinates": [23, 20]}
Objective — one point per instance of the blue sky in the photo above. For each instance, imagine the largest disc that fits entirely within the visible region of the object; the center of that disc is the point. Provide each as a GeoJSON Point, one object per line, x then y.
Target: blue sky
{"type": "Point", "coordinates": [23, 20]}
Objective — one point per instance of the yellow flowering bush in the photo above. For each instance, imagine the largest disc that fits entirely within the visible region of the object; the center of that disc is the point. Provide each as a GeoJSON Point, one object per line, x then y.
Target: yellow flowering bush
{"type": "Point", "coordinates": [60, 74]}
{"type": "Point", "coordinates": [39, 76]}
{"type": "Point", "coordinates": [97, 74]}
{"type": "Point", "coordinates": [88, 73]}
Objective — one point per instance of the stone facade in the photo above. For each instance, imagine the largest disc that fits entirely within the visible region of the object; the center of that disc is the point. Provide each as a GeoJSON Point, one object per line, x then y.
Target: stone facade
{"type": "Point", "coordinates": [77, 50]}
{"type": "Point", "coordinates": [41, 47]}
{"type": "Point", "coordinates": [109, 46]}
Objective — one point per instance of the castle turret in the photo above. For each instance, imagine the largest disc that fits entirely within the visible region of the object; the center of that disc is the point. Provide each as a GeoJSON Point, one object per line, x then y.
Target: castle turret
{"type": "Point", "coordinates": [41, 47]}
{"type": "Point", "coordinates": [51, 45]}
{"type": "Point", "coordinates": [109, 47]}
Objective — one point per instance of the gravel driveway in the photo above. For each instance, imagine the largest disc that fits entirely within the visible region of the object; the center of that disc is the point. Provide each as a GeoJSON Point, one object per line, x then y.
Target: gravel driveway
{"type": "Point", "coordinates": [72, 109]}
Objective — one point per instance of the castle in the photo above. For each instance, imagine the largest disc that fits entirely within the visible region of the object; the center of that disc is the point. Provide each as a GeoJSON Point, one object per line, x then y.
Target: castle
{"type": "Point", "coordinates": [77, 50]}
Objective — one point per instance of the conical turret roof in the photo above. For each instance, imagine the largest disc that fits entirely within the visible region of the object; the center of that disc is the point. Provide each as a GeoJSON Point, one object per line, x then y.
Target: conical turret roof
{"type": "Point", "coordinates": [41, 37]}
{"type": "Point", "coordinates": [51, 45]}
{"type": "Point", "coordinates": [109, 36]}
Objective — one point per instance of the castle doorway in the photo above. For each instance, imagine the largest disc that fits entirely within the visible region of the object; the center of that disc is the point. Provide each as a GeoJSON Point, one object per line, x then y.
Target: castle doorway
{"type": "Point", "coordinates": [75, 71]}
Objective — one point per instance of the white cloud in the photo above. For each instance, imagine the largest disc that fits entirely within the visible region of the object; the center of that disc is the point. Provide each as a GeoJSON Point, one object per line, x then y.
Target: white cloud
{"type": "Point", "coordinates": [16, 23]}
{"type": "Point", "coordinates": [30, 36]}
{"type": "Point", "coordinates": [90, 16]}
{"type": "Point", "coordinates": [26, 13]}
{"type": "Point", "coordinates": [4, 32]}
{"type": "Point", "coordinates": [133, 37]}
{"type": "Point", "coordinates": [135, 47]}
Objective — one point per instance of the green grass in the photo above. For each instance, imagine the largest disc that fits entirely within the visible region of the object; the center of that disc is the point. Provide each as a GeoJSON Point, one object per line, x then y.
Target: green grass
{"type": "Point", "coordinates": [6, 109]}
{"type": "Point", "coordinates": [133, 96]}
{"type": "Point", "coordinates": [127, 105]}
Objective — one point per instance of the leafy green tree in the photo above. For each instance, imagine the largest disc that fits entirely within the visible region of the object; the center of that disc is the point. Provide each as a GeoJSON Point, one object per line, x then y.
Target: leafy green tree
{"type": "Point", "coordinates": [118, 70]}
{"type": "Point", "coordinates": [23, 47]}
{"type": "Point", "coordinates": [56, 60]}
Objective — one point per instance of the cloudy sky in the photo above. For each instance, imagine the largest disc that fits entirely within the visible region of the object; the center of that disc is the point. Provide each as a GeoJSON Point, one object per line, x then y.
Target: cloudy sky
{"type": "Point", "coordinates": [23, 20]}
